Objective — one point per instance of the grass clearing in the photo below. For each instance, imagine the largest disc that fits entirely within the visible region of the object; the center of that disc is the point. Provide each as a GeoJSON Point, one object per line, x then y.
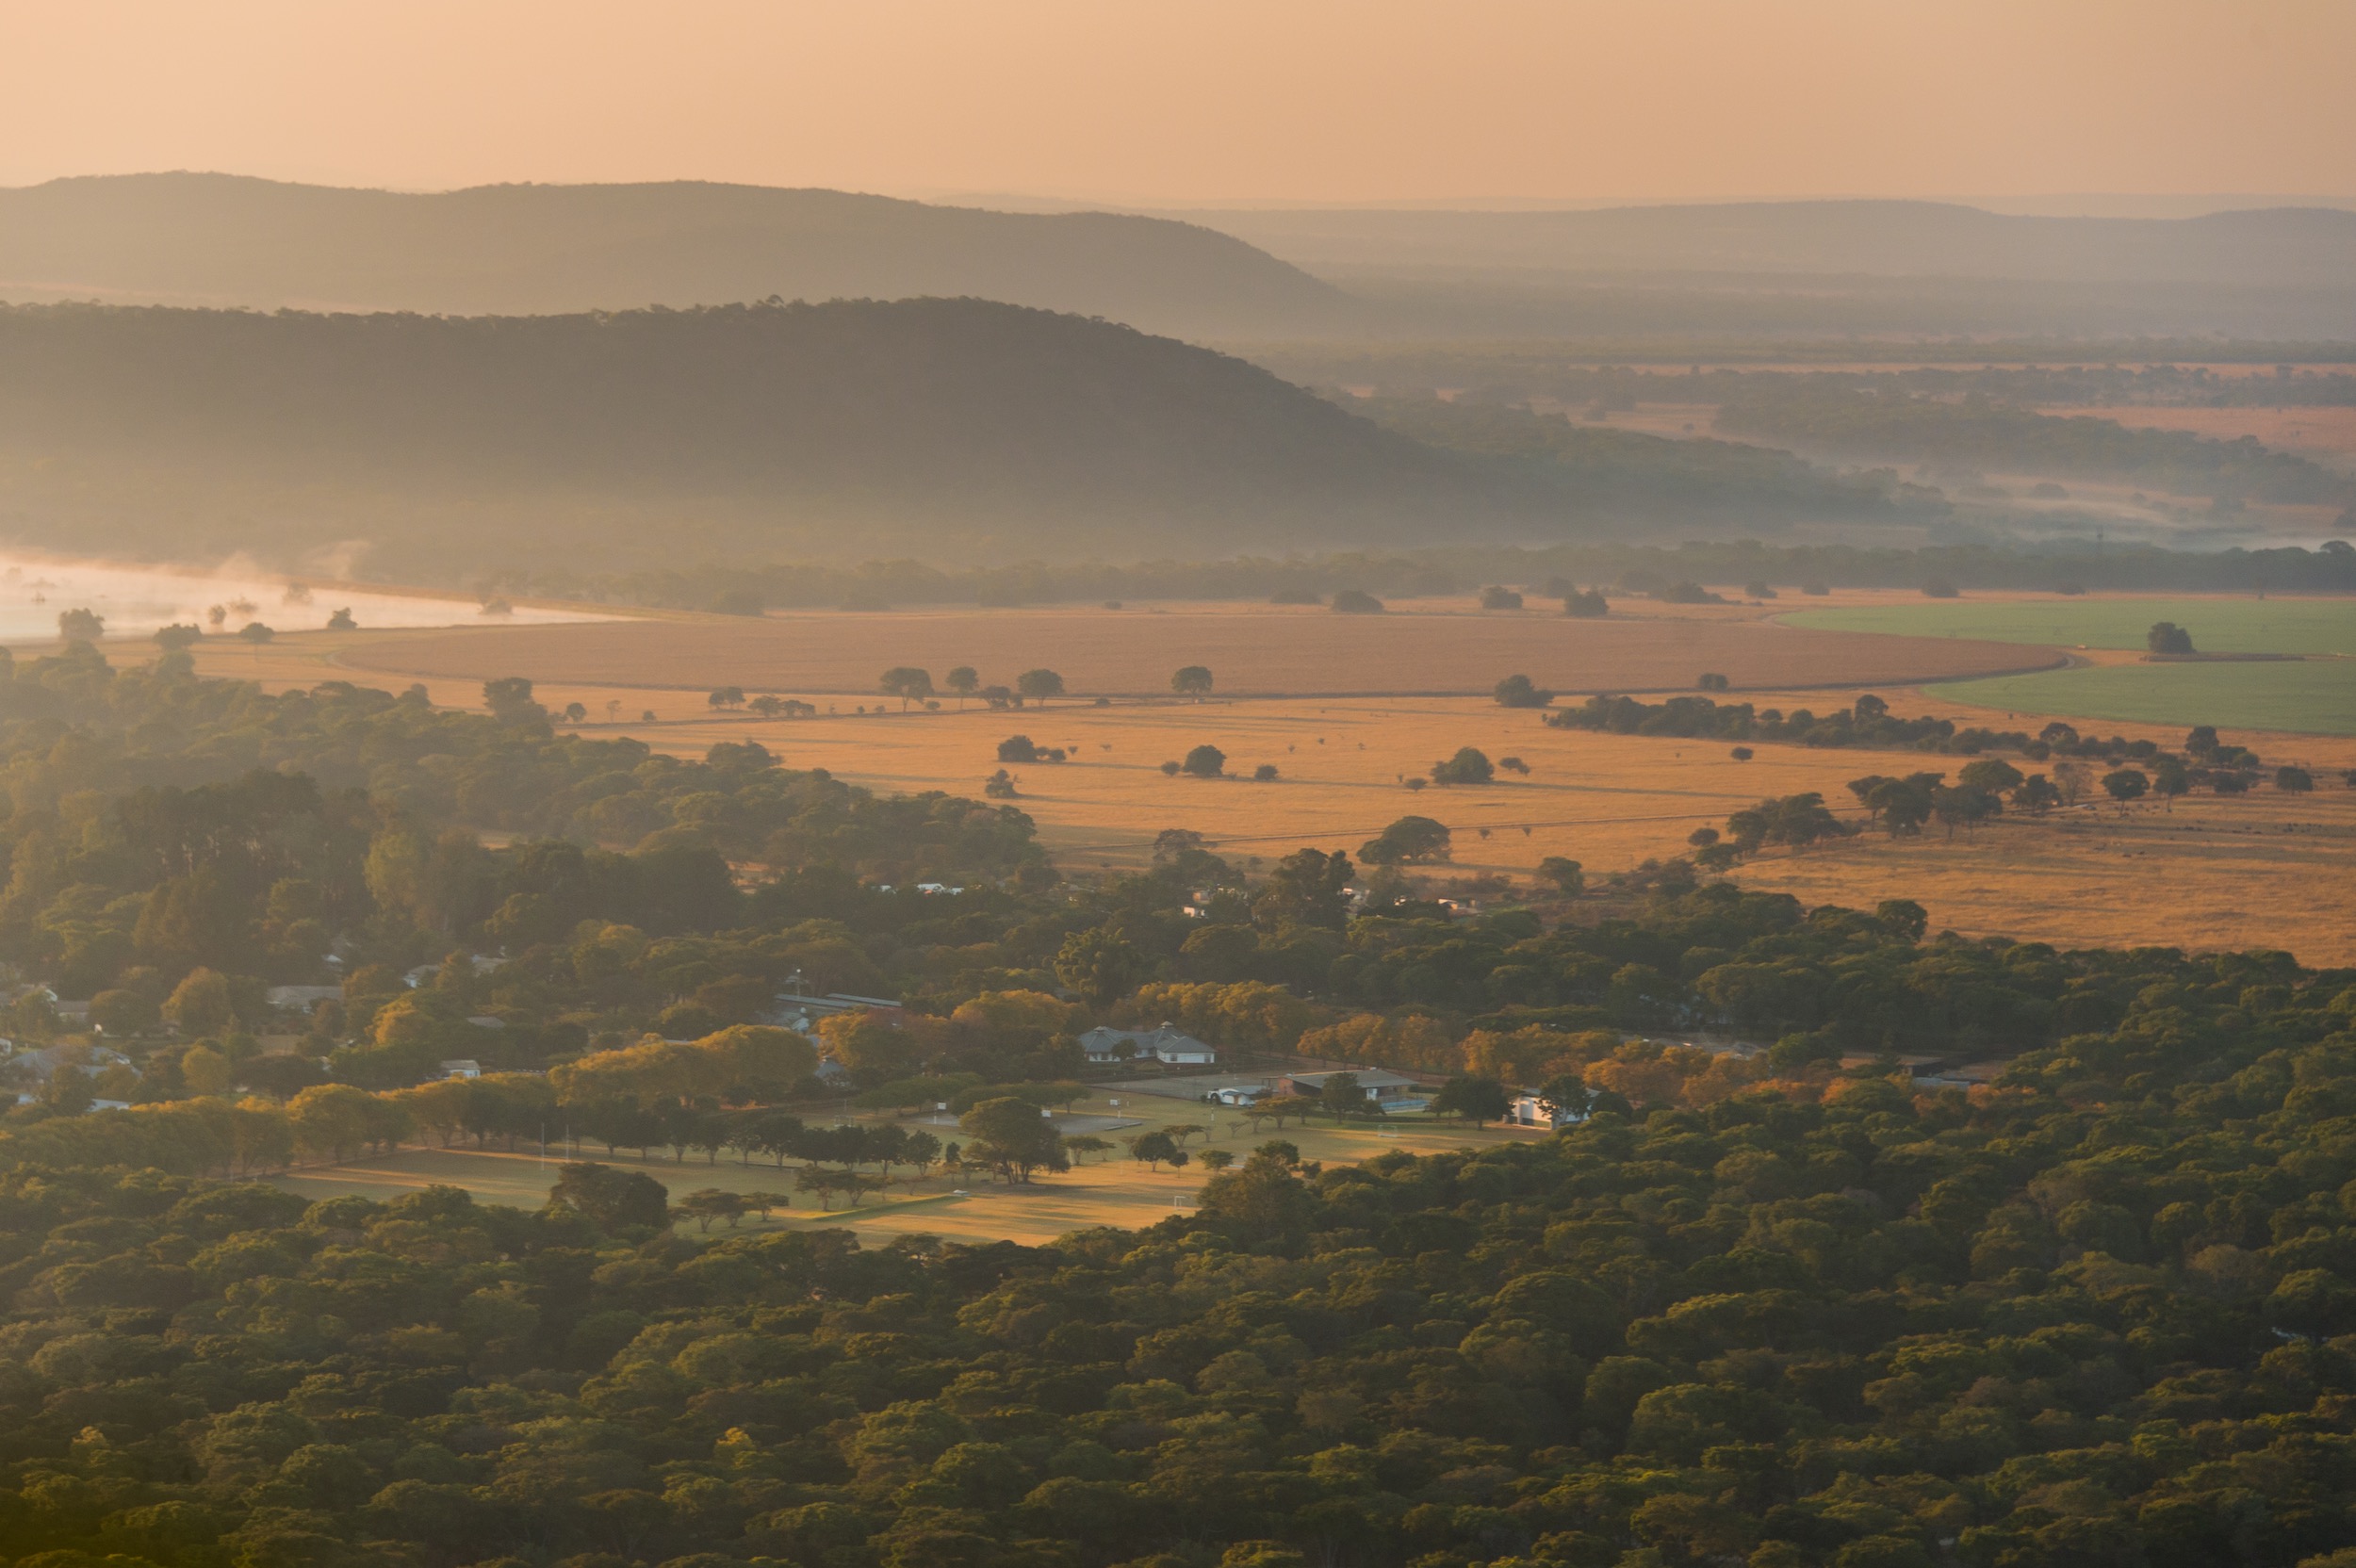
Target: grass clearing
{"type": "Point", "coordinates": [2218, 624]}
{"type": "Point", "coordinates": [2313, 697]}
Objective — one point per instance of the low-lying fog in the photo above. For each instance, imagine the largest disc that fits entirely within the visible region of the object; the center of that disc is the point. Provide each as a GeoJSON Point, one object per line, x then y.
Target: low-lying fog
{"type": "Point", "coordinates": [134, 601]}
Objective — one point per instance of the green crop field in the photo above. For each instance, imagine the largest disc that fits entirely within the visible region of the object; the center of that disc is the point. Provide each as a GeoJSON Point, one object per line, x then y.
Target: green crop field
{"type": "Point", "coordinates": [2316, 697]}
{"type": "Point", "coordinates": [2218, 625]}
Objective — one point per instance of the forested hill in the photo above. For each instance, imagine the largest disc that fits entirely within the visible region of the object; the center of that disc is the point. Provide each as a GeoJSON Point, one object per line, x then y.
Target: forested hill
{"type": "Point", "coordinates": [944, 419]}
{"type": "Point", "coordinates": [220, 239]}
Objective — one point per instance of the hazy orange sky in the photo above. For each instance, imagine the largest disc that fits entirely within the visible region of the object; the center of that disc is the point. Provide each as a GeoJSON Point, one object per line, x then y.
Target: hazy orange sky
{"type": "Point", "coordinates": [1206, 100]}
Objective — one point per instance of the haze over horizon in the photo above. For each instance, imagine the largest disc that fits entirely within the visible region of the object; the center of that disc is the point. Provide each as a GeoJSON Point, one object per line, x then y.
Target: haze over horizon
{"type": "Point", "coordinates": [1316, 103]}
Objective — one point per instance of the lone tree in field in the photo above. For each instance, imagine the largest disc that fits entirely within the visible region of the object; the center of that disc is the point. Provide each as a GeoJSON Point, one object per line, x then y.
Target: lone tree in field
{"type": "Point", "coordinates": [1204, 761]}
{"type": "Point", "coordinates": [964, 682]}
{"type": "Point", "coordinates": [1011, 1136]}
{"type": "Point", "coordinates": [907, 682]}
{"type": "Point", "coordinates": [1038, 685]}
{"type": "Point", "coordinates": [1518, 691]}
{"type": "Point", "coordinates": [1357, 601]}
{"type": "Point", "coordinates": [2168, 637]}
{"type": "Point", "coordinates": [1410, 840]}
{"type": "Point", "coordinates": [1151, 1148]}
{"type": "Point", "coordinates": [1470, 765]}
{"type": "Point", "coordinates": [254, 634]}
{"type": "Point", "coordinates": [1193, 681]}
{"type": "Point", "coordinates": [1499, 597]}
{"type": "Point", "coordinates": [1568, 876]}
{"type": "Point", "coordinates": [171, 639]}
{"type": "Point", "coordinates": [80, 625]}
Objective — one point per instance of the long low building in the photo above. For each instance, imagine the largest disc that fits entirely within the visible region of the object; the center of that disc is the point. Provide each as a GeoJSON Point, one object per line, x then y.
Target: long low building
{"type": "Point", "coordinates": [1102, 1045]}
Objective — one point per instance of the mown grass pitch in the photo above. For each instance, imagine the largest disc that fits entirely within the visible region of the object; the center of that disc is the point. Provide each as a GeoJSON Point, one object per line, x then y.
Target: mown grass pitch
{"type": "Point", "coordinates": [2313, 697]}
{"type": "Point", "coordinates": [2218, 624]}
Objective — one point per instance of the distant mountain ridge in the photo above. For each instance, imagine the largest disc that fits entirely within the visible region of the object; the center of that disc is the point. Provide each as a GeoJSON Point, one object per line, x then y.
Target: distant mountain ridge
{"type": "Point", "coordinates": [2282, 247]}
{"type": "Point", "coordinates": [229, 241]}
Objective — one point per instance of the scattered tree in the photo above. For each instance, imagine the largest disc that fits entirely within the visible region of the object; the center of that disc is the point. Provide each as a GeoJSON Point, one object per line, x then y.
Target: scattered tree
{"type": "Point", "coordinates": [2168, 637]}
{"type": "Point", "coordinates": [1473, 1098]}
{"type": "Point", "coordinates": [1470, 765]}
{"type": "Point", "coordinates": [1038, 685]}
{"type": "Point", "coordinates": [1409, 841]}
{"type": "Point", "coordinates": [907, 682]}
{"type": "Point", "coordinates": [1204, 761]}
{"type": "Point", "coordinates": [1193, 681]}
{"type": "Point", "coordinates": [1518, 691]}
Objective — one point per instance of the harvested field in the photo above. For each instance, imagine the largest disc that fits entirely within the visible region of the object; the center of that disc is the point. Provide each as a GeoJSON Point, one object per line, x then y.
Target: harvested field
{"type": "Point", "coordinates": [1609, 802]}
{"type": "Point", "coordinates": [1256, 650]}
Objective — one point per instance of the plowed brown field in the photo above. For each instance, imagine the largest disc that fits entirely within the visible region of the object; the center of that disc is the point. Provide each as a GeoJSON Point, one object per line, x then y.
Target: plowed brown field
{"type": "Point", "coordinates": [1252, 652]}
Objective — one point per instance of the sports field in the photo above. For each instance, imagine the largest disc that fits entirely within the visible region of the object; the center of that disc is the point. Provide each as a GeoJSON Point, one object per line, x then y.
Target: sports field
{"type": "Point", "coordinates": [2310, 696]}
{"type": "Point", "coordinates": [2218, 624]}
{"type": "Point", "coordinates": [1099, 1190]}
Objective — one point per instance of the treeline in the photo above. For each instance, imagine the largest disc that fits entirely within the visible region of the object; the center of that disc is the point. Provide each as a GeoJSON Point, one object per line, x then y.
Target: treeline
{"type": "Point", "coordinates": [2101, 1310]}
{"type": "Point", "coordinates": [1866, 723]}
{"type": "Point", "coordinates": [746, 588]}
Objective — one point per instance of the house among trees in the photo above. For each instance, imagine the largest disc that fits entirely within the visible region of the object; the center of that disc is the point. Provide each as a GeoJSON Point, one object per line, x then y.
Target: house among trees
{"type": "Point", "coordinates": [1528, 1110]}
{"type": "Point", "coordinates": [461, 1067]}
{"type": "Point", "coordinates": [1388, 1090]}
{"type": "Point", "coordinates": [790, 1010]}
{"type": "Point", "coordinates": [1176, 1047]}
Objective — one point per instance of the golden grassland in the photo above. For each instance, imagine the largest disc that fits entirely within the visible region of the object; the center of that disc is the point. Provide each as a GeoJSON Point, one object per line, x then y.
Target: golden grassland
{"type": "Point", "coordinates": [2263, 870]}
{"type": "Point", "coordinates": [1110, 1189]}
{"type": "Point", "coordinates": [1424, 647]}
